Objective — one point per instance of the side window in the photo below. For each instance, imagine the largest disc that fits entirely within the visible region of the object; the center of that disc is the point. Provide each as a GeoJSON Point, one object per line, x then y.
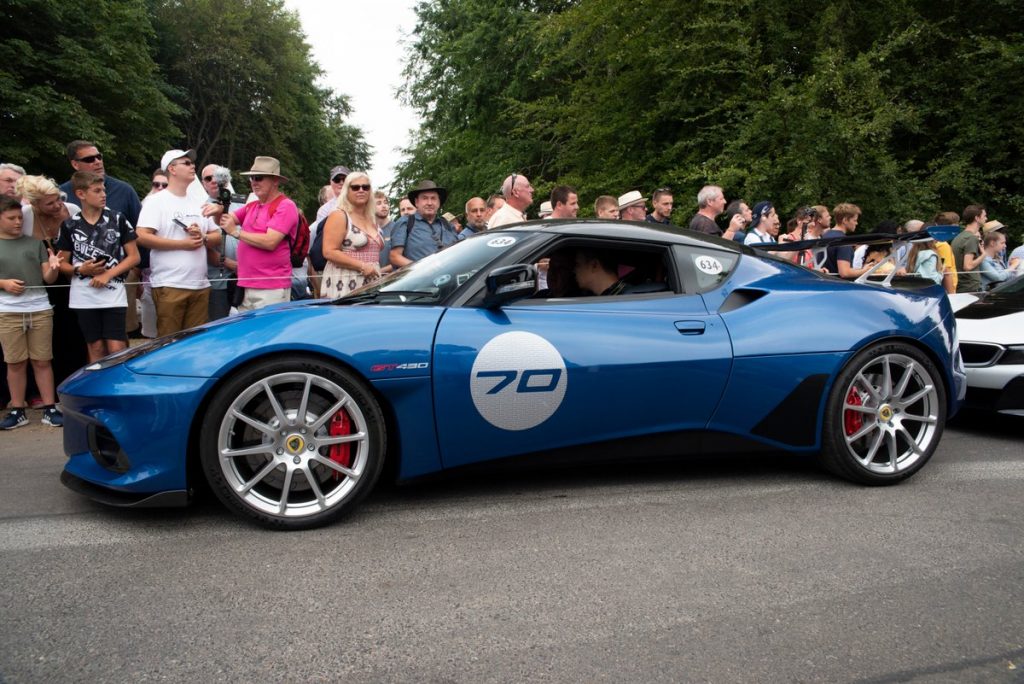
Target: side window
{"type": "Point", "coordinates": [579, 268]}
{"type": "Point", "coordinates": [710, 267]}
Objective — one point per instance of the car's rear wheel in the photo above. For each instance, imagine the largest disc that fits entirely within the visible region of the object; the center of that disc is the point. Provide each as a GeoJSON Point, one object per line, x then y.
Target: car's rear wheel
{"type": "Point", "coordinates": [293, 443]}
{"type": "Point", "coordinates": [885, 415]}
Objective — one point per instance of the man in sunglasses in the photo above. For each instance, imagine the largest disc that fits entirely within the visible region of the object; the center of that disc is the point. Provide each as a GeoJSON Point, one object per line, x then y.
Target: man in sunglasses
{"type": "Point", "coordinates": [173, 227]}
{"type": "Point", "coordinates": [337, 180]}
{"type": "Point", "coordinates": [121, 197]}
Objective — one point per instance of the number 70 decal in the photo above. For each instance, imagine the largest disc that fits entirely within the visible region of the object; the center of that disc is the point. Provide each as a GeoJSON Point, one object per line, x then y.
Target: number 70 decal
{"type": "Point", "coordinates": [532, 380]}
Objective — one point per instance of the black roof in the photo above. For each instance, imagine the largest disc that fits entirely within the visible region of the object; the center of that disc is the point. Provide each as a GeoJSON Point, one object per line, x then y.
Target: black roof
{"type": "Point", "coordinates": [626, 230]}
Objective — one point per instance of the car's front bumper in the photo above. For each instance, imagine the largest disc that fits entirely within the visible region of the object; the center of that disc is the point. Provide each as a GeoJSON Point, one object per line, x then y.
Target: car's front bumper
{"type": "Point", "coordinates": [127, 435]}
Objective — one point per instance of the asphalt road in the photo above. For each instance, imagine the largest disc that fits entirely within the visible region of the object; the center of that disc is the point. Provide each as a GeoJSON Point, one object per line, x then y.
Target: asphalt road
{"type": "Point", "coordinates": [736, 569]}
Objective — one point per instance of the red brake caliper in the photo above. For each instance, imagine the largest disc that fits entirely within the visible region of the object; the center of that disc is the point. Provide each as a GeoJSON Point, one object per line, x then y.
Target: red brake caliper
{"type": "Point", "coordinates": [340, 453]}
{"type": "Point", "coordinates": [853, 420]}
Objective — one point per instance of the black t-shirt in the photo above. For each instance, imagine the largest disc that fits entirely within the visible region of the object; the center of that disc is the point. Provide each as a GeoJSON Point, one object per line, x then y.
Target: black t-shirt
{"type": "Point", "coordinates": [702, 224]}
{"type": "Point", "coordinates": [834, 254]}
{"type": "Point", "coordinates": [104, 240]}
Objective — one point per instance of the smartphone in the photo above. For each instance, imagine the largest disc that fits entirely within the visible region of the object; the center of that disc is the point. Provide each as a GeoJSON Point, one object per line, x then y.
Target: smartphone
{"type": "Point", "coordinates": [179, 222]}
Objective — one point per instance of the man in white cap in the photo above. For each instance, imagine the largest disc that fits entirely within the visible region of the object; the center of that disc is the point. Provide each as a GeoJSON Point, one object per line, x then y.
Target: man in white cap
{"type": "Point", "coordinates": [265, 229]}
{"type": "Point", "coordinates": [518, 194]}
{"type": "Point", "coordinates": [172, 225]}
{"type": "Point", "coordinates": [632, 206]}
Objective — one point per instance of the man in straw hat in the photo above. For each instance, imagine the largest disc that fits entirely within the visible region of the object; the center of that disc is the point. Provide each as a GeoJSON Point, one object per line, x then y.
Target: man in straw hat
{"type": "Point", "coordinates": [424, 232]}
{"type": "Point", "coordinates": [172, 226]}
{"type": "Point", "coordinates": [265, 229]}
{"type": "Point", "coordinates": [633, 206]}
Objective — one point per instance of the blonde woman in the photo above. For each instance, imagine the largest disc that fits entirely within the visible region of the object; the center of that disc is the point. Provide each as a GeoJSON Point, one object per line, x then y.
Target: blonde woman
{"type": "Point", "coordinates": [41, 218]}
{"type": "Point", "coordinates": [352, 242]}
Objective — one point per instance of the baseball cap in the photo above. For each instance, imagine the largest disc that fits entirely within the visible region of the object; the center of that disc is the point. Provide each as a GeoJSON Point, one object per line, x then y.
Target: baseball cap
{"type": "Point", "coordinates": [172, 155]}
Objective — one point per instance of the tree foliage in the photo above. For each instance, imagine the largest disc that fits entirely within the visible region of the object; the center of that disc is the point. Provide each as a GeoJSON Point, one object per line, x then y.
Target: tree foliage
{"type": "Point", "coordinates": [81, 69]}
{"type": "Point", "coordinates": [243, 74]}
{"type": "Point", "coordinates": [232, 79]}
{"type": "Point", "coordinates": [904, 107]}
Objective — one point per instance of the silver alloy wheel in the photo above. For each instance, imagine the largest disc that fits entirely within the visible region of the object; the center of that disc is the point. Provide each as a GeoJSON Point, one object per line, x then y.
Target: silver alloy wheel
{"type": "Point", "coordinates": [273, 445]}
{"type": "Point", "coordinates": [890, 414]}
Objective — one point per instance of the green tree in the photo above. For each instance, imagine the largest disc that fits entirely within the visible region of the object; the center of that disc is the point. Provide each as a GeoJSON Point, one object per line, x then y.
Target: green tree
{"type": "Point", "coordinates": [470, 63]}
{"type": "Point", "coordinates": [246, 82]}
{"type": "Point", "coordinates": [81, 69]}
{"type": "Point", "coordinates": [903, 106]}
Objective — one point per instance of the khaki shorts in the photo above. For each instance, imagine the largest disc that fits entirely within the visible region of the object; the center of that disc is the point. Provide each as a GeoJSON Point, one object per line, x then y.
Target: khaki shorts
{"type": "Point", "coordinates": [177, 308]}
{"type": "Point", "coordinates": [27, 336]}
{"type": "Point", "coordinates": [257, 299]}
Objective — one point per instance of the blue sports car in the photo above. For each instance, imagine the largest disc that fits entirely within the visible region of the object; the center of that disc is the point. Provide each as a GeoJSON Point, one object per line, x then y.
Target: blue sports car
{"type": "Point", "coordinates": [538, 338]}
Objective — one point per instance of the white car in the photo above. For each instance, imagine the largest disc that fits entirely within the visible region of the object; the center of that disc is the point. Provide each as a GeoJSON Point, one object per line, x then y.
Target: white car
{"type": "Point", "coordinates": [991, 329]}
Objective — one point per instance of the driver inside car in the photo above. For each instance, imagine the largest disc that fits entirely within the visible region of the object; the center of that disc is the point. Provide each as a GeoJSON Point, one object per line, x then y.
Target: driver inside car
{"type": "Point", "coordinates": [597, 272]}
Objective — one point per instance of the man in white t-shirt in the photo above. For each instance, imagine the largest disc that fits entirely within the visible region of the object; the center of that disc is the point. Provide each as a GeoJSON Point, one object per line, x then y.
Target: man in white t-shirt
{"type": "Point", "coordinates": [172, 225]}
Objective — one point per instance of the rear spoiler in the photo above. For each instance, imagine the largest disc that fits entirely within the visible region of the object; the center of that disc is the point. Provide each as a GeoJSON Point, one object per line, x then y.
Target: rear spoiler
{"type": "Point", "coordinates": [819, 248]}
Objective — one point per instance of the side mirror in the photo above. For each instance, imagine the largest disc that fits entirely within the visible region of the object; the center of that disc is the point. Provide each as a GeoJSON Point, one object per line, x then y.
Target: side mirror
{"type": "Point", "coordinates": [510, 283]}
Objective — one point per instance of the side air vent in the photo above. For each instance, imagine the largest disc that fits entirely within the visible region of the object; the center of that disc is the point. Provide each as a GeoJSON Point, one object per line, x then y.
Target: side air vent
{"type": "Point", "coordinates": [738, 299]}
{"type": "Point", "coordinates": [980, 354]}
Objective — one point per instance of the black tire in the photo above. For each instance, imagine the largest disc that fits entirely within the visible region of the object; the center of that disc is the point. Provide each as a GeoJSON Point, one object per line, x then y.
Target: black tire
{"type": "Point", "coordinates": [885, 415]}
{"type": "Point", "coordinates": [278, 468]}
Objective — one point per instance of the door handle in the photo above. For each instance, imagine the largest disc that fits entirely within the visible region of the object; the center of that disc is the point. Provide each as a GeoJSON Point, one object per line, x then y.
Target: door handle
{"type": "Point", "coordinates": [690, 327]}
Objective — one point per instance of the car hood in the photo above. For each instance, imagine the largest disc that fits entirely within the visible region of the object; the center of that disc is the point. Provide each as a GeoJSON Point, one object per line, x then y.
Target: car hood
{"type": "Point", "coordinates": [1007, 330]}
{"type": "Point", "coordinates": [397, 339]}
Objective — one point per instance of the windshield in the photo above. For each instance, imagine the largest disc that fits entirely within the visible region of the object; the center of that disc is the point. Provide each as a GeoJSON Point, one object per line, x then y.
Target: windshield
{"type": "Point", "coordinates": [435, 277]}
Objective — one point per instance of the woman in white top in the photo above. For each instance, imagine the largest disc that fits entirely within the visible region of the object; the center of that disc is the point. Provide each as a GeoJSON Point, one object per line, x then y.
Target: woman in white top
{"type": "Point", "coordinates": [352, 242]}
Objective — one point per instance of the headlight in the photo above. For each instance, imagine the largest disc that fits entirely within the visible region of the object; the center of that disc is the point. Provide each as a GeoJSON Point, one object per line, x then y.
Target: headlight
{"type": "Point", "coordinates": [145, 348]}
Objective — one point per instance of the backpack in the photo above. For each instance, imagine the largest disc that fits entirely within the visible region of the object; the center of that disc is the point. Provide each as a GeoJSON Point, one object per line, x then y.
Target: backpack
{"type": "Point", "coordinates": [316, 248]}
{"type": "Point", "coordinates": [298, 247]}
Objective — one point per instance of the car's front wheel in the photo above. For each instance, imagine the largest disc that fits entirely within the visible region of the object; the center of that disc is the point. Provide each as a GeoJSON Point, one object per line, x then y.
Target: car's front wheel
{"type": "Point", "coordinates": [885, 415]}
{"type": "Point", "coordinates": [293, 443]}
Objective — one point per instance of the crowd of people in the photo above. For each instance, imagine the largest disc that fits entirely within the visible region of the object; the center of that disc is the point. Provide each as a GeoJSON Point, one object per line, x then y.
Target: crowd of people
{"type": "Point", "coordinates": [88, 264]}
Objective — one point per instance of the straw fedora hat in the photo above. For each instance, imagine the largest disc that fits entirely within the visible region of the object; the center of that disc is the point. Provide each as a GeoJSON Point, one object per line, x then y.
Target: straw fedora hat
{"type": "Point", "coordinates": [265, 166]}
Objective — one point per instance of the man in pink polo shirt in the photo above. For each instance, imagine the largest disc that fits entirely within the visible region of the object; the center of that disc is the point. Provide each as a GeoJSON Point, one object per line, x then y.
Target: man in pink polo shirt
{"type": "Point", "coordinates": [267, 228]}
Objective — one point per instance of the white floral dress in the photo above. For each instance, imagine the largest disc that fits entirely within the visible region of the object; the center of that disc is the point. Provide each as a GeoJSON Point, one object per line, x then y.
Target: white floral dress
{"type": "Point", "coordinates": [338, 281]}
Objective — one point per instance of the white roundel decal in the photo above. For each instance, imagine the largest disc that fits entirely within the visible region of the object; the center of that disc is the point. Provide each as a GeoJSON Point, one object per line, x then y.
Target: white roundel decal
{"type": "Point", "coordinates": [518, 381]}
{"type": "Point", "coordinates": [708, 264]}
{"type": "Point", "coordinates": [504, 241]}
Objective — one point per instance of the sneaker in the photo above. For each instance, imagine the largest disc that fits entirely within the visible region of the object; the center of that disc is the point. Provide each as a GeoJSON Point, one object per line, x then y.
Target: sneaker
{"type": "Point", "coordinates": [53, 416]}
{"type": "Point", "coordinates": [15, 419]}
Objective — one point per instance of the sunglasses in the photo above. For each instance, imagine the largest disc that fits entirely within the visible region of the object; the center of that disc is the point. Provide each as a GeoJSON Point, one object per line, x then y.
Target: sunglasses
{"type": "Point", "coordinates": [207, 179]}
{"type": "Point", "coordinates": [365, 187]}
{"type": "Point", "coordinates": [513, 186]}
{"type": "Point", "coordinates": [256, 179]}
{"type": "Point", "coordinates": [158, 184]}
{"type": "Point", "coordinates": [184, 162]}
{"type": "Point", "coordinates": [91, 158]}
{"type": "Point", "coordinates": [338, 179]}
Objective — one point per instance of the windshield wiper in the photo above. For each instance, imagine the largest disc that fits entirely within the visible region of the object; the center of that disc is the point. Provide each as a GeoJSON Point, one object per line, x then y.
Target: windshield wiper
{"type": "Point", "coordinates": [378, 294]}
